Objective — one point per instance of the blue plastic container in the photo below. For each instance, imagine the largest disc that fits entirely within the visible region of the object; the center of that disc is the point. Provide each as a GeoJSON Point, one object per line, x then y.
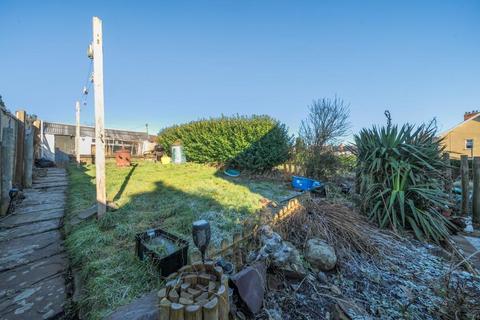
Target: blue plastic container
{"type": "Point", "coordinates": [305, 184]}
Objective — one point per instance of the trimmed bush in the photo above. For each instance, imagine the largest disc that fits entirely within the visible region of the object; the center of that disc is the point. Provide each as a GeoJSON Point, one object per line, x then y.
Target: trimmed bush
{"type": "Point", "coordinates": [255, 143]}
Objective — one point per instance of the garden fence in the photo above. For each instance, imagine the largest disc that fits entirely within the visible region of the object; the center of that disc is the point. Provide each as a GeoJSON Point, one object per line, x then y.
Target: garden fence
{"type": "Point", "coordinates": [18, 139]}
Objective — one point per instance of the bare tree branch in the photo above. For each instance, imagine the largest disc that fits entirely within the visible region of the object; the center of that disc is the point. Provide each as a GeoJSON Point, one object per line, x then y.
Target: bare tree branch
{"type": "Point", "coordinates": [327, 122]}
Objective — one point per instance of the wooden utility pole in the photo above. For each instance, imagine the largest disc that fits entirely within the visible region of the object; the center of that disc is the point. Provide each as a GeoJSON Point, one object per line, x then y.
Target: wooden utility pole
{"type": "Point", "coordinates": [97, 47]}
{"type": "Point", "coordinates": [465, 181]}
{"type": "Point", "coordinates": [476, 192]}
{"type": "Point", "coordinates": [77, 132]}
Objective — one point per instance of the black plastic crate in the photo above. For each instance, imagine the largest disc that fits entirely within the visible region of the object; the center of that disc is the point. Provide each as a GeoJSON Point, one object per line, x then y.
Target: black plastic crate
{"type": "Point", "coordinates": [167, 264]}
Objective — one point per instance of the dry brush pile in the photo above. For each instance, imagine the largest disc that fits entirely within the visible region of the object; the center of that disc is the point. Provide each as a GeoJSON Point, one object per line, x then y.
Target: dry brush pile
{"type": "Point", "coordinates": [378, 275]}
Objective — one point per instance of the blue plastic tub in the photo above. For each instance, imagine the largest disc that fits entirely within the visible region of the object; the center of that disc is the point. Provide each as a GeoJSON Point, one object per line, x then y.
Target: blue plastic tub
{"type": "Point", "coordinates": [305, 184]}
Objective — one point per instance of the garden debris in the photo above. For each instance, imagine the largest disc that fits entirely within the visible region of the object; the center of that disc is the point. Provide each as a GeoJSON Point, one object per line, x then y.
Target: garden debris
{"type": "Point", "coordinates": [281, 254]}
{"type": "Point", "coordinates": [379, 275]}
{"type": "Point", "coordinates": [338, 225]}
{"type": "Point", "coordinates": [250, 284]}
{"type": "Point", "coordinates": [320, 254]}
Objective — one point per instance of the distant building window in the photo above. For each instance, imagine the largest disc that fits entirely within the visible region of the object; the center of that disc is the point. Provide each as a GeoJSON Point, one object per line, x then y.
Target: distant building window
{"type": "Point", "coordinates": [468, 143]}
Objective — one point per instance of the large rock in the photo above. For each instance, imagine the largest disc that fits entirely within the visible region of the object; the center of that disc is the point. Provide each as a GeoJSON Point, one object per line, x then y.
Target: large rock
{"type": "Point", "coordinates": [320, 254]}
{"type": "Point", "coordinates": [282, 254]}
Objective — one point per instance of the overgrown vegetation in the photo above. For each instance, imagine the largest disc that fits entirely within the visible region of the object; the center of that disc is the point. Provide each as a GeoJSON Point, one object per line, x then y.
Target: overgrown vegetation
{"type": "Point", "coordinates": [148, 195]}
{"type": "Point", "coordinates": [255, 143]}
{"type": "Point", "coordinates": [400, 174]}
{"type": "Point", "coordinates": [326, 124]}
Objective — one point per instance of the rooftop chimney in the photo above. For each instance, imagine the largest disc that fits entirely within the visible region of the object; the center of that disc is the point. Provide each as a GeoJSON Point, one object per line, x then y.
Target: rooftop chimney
{"type": "Point", "coordinates": [467, 115]}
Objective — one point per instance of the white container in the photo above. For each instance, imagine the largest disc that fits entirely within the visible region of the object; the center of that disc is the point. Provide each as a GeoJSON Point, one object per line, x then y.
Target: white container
{"type": "Point", "coordinates": [178, 156]}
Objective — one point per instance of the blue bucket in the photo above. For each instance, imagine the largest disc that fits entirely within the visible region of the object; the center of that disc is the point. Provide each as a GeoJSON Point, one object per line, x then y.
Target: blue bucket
{"type": "Point", "coordinates": [305, 184]}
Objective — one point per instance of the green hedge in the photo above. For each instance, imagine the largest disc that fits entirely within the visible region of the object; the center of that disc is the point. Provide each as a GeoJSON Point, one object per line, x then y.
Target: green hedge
{"type": "Point", "coordinates": [255, 143]}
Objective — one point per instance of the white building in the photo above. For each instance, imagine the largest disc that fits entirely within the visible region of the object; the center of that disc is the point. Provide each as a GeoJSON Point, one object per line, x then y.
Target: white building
{"type": "Point", "coordinates": [58, 141]}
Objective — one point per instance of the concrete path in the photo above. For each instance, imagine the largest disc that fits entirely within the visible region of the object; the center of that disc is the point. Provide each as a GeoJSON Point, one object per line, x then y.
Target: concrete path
{"type": "Point", "coordinates": [33, 261]}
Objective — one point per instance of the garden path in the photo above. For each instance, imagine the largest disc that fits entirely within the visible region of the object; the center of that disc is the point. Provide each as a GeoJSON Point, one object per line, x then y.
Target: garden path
{"type": "Point", "coordinates": [33, 262]}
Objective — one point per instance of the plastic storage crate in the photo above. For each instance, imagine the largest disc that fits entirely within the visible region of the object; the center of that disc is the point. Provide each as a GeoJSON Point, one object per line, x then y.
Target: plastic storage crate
{"type": "Point", "coordinates": [169, 263]}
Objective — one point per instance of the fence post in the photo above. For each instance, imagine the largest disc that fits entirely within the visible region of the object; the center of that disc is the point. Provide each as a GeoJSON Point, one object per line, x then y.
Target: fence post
{"type": "Point", "coordinates": [448, 174]}
{"type": "Point", "coordinates": [476, 192]}
{"type": "Point", "coordinates": [28, 157]}
{"type": "Point", "coordinates": [7, 166]}
{"type": "Point", "coordinates": [1, 172]}
{"type": "Point", "coordinates": [465, 182]}
{"type": "Point", "coordinates": [21, 115]}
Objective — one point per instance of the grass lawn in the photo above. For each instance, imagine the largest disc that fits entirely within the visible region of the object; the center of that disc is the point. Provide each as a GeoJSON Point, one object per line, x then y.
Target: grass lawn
{"type": "Point", "coordinates": [149, 195]}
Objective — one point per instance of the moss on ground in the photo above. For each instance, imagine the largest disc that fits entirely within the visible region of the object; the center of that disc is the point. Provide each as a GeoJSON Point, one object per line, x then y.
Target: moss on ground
{"type": "Point", "coordinates": [148, 195]}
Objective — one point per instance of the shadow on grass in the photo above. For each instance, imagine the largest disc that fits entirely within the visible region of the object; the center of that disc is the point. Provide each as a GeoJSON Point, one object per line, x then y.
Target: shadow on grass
{"type": "Point", "coordinates": [153, 197]}
{"type": "Point", "coordinates": [125, 182]}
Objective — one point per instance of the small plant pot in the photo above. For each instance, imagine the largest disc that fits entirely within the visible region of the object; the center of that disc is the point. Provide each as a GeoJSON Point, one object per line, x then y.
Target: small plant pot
{"type": "Point", "coordinates": [167, 251]}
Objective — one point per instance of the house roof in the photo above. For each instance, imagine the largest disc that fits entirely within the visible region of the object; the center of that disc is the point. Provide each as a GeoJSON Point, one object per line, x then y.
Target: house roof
{"type": "Point", "coordinates": [88, 131]}
{"type": "Point", "coordinates": [444, 133]}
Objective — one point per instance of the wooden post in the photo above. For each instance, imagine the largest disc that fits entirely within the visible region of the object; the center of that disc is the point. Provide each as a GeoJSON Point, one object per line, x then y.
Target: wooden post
{"type": "Point", "coordinates": [37, 139]}
{"type": "Point", "coordinates": [28, 156]}
{"type": "Point", "coordinates": [237, 252]}
{"type": "Point", "coordinates": [21, 115]}
{"type": "Point", "coordinates": [476, 192]}
{"type": "Point", "coordinates": [177, 311]}
{"type": "Point", "coordinates": [210, 310]}
{"type": "Point", "coordinates": [193, 312]}
{"type": "Point", "coordinates": [465, 182]}
{"type": "Point", "coordinates": [77, 132]}
{"type": "Point", "coordinates": [223, 304]}
{"type": "Point", "coordinates": [97, 47]}
{"type": "Point", "coordinates": [7, 167]}
{"type": "Point", "coordinates": [448, 174]}
{"type": "Point", "coordinates": [1, 172]}
{"type": "Point", "coordinates": [164, 312]}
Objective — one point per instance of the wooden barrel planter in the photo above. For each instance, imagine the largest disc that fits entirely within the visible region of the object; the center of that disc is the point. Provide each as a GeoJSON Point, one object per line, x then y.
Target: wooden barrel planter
{"type": "Point", "coordinates": [198, 291]}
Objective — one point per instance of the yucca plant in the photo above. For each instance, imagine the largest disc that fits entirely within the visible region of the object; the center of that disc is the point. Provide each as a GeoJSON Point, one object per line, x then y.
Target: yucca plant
{"type": "Point", "coordinates": [401, 173]}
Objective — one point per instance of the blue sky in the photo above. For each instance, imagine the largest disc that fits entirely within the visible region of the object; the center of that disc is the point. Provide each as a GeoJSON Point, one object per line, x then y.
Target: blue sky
{"type": "Point", "coordinates": [176, 61]}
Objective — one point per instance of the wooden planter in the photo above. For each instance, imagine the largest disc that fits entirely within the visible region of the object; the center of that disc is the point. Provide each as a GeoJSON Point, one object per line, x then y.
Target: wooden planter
{"type": "Point", "coordinates": [123, 158]}
{"type": "Point", "coordinates": [198, 291]}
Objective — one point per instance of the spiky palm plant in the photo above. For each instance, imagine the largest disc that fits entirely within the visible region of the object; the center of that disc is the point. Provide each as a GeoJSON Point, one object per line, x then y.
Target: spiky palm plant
{"type": "Point", "coordinates": [400, 172]}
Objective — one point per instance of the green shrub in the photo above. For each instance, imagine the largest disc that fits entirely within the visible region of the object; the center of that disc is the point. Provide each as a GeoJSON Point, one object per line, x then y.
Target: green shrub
{"type": "Point", "coordinates": [400, 172]}
{"type": "Point", "coordinates": [348, 163]}
{"type": "Point", "coordinates": [255, 143]}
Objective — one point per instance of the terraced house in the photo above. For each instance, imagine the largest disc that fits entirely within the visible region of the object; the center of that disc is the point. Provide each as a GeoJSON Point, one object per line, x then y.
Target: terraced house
{"type": "Point", "coordinates": [464, 139]}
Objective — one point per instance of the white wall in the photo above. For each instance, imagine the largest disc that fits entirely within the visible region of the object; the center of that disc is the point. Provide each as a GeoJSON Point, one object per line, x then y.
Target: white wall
{"type": "Point", "coordinates": [85, 145]}
{"type": "Point", "coordinates": [48, 146]}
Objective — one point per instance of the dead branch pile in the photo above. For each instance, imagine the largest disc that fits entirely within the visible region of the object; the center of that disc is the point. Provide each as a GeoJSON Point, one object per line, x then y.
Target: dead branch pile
{"type": "Point", "coordinates": [337, 224]}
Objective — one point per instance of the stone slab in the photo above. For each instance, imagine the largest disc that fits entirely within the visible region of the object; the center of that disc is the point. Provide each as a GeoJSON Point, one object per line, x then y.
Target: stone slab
{"type": "Point", "coordinates": [29, 229]}
{"type": "Point", "coordinates": [43, 300]}
{"type": "Point", "coordinates": [144, 308]}
{"type": "Point", "coordinates": [20, 278]}
{"type": "Point", "coordinates": [21, 251]}
{"type": "Point", "coordinates": [48, 185]}
{"type": "Point", "coordinates": [35, 201]}
{"type": "Point", "coordinates": [19, 219]}
{"type": "Point", "coordinates": [40, 208]}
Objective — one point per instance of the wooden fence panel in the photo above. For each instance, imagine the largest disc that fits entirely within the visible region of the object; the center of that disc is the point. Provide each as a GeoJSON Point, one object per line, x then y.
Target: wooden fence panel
{"type": "Point", "coordinates": [16, 166]}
